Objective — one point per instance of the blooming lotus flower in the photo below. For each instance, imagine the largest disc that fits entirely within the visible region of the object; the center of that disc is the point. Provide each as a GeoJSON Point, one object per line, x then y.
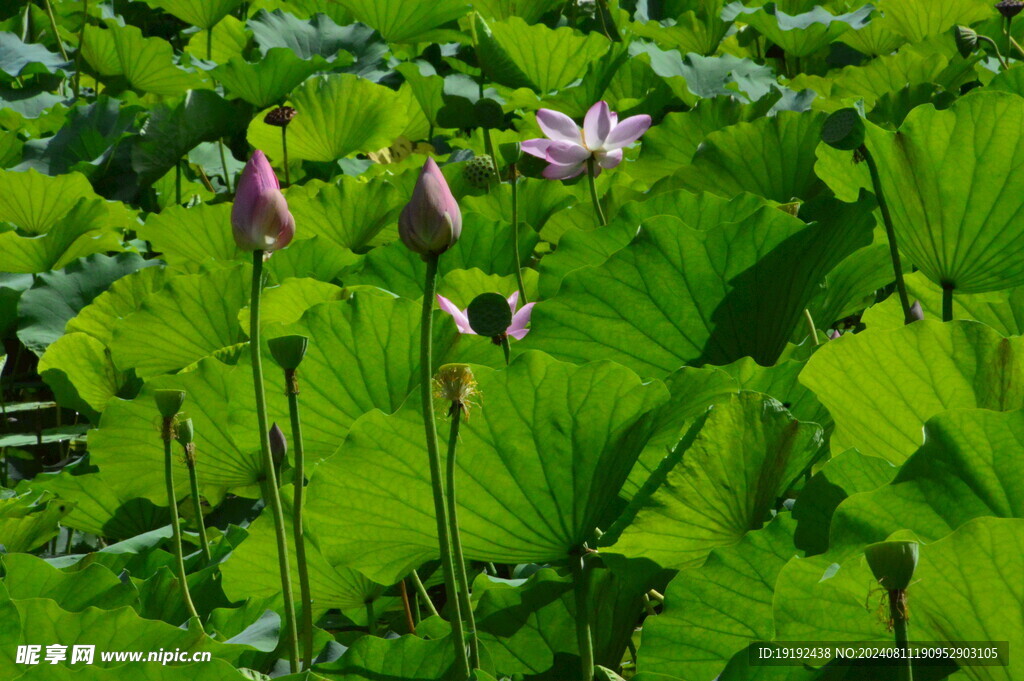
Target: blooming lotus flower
{"type": "Point", "coordinates": [260, 217]}
{"type": "Point", "coordinates": [568, 148]}
{"type": "Point", "coordinates": [431, 222]}
{"type": "Point", "coordinates": [517, 329]}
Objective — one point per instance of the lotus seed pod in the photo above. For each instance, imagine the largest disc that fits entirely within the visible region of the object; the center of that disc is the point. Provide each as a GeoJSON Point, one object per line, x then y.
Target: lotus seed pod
{"type": "Point", "coordinates": [893, 563]}
{"type": "Point", "coordinates": [966, 40]}
{"type": "Point", "coordinates": [1010, 8]}
{"type": "Point", "coordinates": [455, 383]}
{"type": "Point", "coordinates": [280, 117]}
{"type": "Point", "coordinates": [288, 351]}
{"type": "Point", "coordinates": [480, 172]}
{"type": "Point", "coordinates": [916, 311]}
{"type": "Point", "coordinates": [489, 315]}
{"type": "Point", "coordinates": [186, 432]}
{"type": "Point", "coordinates": [843, 130]}
{"type": "Point", "coordinates": [278, 445]}
{"type": "Point", "coordinates": [168, 402]}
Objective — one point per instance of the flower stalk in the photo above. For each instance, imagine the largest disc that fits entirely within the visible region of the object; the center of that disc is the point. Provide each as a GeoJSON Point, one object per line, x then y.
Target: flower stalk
{"type": "Point", "coordinates": [514, 182]}
{"type": "Point", "coordinates": [947, 302]}
{"type": "Point", "coordinates": [592, 179]}
{"type": "Point", "coordinates": [186, 435]}
{"type": "Point", "coordinates": [890, 232]}
{"type": "Point", "coordinates": [581, 592]}
{"type": "Point", "coordinates": [465, 601]}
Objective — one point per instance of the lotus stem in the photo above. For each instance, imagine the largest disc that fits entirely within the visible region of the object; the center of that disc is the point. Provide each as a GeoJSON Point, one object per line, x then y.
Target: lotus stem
{"type": "Point", "coordinates": [465, 603]}
{"type": "Point", "coordinates": [371, 618]}
{"type": "Point", "coordinates": [947, 302]}
{"type": "Point", "coordinates": [56, 34]}
{"type": "Point", "coordinates": [197, 504]}
{"type": "Point", "coordinates": [581, 591]}
{"type": "Point", "coordinates": [890, 231]}
{"type": "Point", "coordinates": [995, 47]}
{"type": "Point", "coordinates": [172, 503]}
{"type": "Point", "coordinates": [810, 325]}
{"type": "Point", "coordinates": [422, 591]}
{"type": "Point", "coordinates": [898, 613]}
{"type": "Point", "coordinates": [292, 388]}
{"type": "Point", "coordinates": [514, 182]}
{"type": "Point", "coordinates": [408, 608]}
{"type": "Point", "coordinates": [284, 152]}
{"type": "Point", "coordinates": [437, 484]}
{"type": "Point", "coordinates": [601, 222]}
{"type": "Point", "coordinates": [224, 165]}
{"type": "Point", "coordinates": [506, 349]}
{"type": "Point", "coordinates": [81, 46]}
{"type": "Point", "coordinates": [271, 490]}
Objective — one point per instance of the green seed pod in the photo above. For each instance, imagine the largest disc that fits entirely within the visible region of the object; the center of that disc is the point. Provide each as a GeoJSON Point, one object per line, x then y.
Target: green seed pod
{"type": "Point", "coordinates": [480, 171]}
{"type": "Point", "coordinates": [288, 351]}
{"type": "Point", "coordinates": [966, 40]}
{"type": "Point", "coordinates": [168, 402]}
{"type": "Point", "coordinates": [843, 130]}
{"type": "Point", "coordinates": [489, 315]}
{"type": "Point", "coordinates": [186, 433]}
{"type": "Point", "coordinates": [892, 562]}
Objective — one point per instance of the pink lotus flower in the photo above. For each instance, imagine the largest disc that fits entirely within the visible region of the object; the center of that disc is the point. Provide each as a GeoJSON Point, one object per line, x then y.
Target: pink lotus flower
{"type": "Point", "coordinates": [568, 148]}
{"type": "Point", "coordinates": [260, 218]}
{"type": "Point", "coordinates": [431, 222]}
{"type": "Point", "coordinates": [517, 329]}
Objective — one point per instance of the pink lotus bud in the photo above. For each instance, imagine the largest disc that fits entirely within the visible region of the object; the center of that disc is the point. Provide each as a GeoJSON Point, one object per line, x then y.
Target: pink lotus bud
{"type": "Point", "coordinates": [431, 222]}
{"type": "Point", "coordinates": [260, 218]}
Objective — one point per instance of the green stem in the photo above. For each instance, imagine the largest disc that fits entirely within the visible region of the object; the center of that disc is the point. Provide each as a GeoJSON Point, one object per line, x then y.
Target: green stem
{"type": "Point", "coordinates": [1017, 46]}
{"type": "Point", "coordinates": [947, 302]}
{"type": "Point", "coordinates": [371, 618]}
{"type": "Point", "coordinates": [810, 325]}
{"type": "Point", "coordinates": [268, 461]}
{"type": "Point", "coordinates": [506, 349]}
{"type": "Point", "coordinates": [465, 603]}
{"type": "Point", "coordinates": [284, 150]}
{"type": "Point", "coordinates": [898, 613]}
{"type": "Point", "coordinates": [580, 578]}
{"type": "Point", "coordinates": [291, 385]}
{"type": "Point", "coordinates": [197, 506]}
{"type": "Point", "coordinates": [430, 430]}
{"type": "Point", "coordinates": [489, 146]}
{"type": "Point", "coordinates": [890, 231]}
{"type": "Point", "coordinates": [53, 27]}
{"type": "Point", "coordinates": [172, 502]}
{"type": "Point", "coordinates": [1009, 45]}
{"type": "Point", "coordinates": [224, 165]}
{"type": "Point", "coordinates": [995, 48]}
{"type": "Point", "coordinates": [593, 193]}
{"type": "Point", "coordinates": [514, 181]}
{"type": "Point", "coordinates": [209, 44]}
{"type": "Point", "coordinates": [81, 46]}
{"type": "Point", "coordinates": [407, 606]}
{"type": "Point", "coordinates": [422, 591]}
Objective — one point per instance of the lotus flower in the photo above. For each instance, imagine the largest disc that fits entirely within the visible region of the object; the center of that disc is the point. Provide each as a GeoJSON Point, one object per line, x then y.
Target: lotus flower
{"type": "Point", "coordinates": [431, 222]}
{"type": "Point", "coordinates": [260, 217]}
{"type": "Point", "coordinates": [517, 329]}
{"type": "Point", "coordinates": [568, 148]}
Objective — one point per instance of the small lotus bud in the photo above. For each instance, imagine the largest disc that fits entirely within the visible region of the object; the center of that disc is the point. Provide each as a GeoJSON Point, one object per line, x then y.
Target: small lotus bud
{"type": "Point", "coordinates": [835, 334]}
{"type": "Point", "coordinates": [454, 383]}
{"type": "Point", "coordinates": [186, 433]}
{"type": "Point", "coordinates": [168, 402]}
{"type": "Point", "coordinates": [288, 351]}
{"type": "Point", "coordinates": [280, 117]}
{"type": "Point", "coordinates": [260, 217]}
{"type": "Point", "coordinates": [916, 312]}
{"type": "Point", "coordinates": [893, 563]}
{"type": "Point", "coordinates": [966, 40]}
{"type": "Point", "coordinates": [843, 130]}
{"type": "Point", "coordinates": [1010, 8]}
{"type": "Point", "coordinates": [489, 315]}
{"type": "Point", "coordinates": [278, 445]}
{"type": "Point", "coordinates": [479, 171]}
{"type": "Point", "coordinates": [431, 222]}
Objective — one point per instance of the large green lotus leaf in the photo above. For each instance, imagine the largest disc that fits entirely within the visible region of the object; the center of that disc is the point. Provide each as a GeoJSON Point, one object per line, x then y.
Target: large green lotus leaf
{"type": "Point", "coordinates": [968, 467]}
{"type": "Point", "coordinates": [20, 59]}
{"type": "Point", "coordinates": [201, 13]}
{"type": "Point", "coordinates": [539, 202]}
{"type": "Point", "coordinates": [896, 379]}
{"type": "Point", "coordinates": [841, 477]}
{"type": "Point", "coordinates": [267, 81]}
{"type": "Point", "coordinates": [193, 316]}
{"type": "Point", "coordinates": [148, 63]}
{"type": "Point", "coordinates": [175, 128]}
{"type": "Point", "coordinates": [771, 157]}
{"type": "Point", "coordinates": [285, 304]}
{"type": "Point", "coordinates": [78, 369]}
{"type": "Point", "coordinates": [227, 40]}
{"type": "Point", "coordinates": [539, 464]}
{"type": "Point", "coordinates": [944, 175]}
{"type": "Point", "coordinates": [516, 54]}
{"type": "Point", "coordinates": [320, 36]}
{"type": "Point", "coordinates": [339, 114]}
{"type": "Point", "coordinates": [351, 213]}
{"type": "Point", "coordinates": [679, 296]}
{"type": "Point", "coordinates": [965, 588]}
{"type": "Point", "coordinates": [82, 231]}
{"type": "Point", "coordinates": [214, 670]}
{"type": "Point", "coordinates": [721, 482]}
{"type": "Point", "coordinates": [316, 258]}
{"type": "Point", "coordinates": [801, 35]}
{"type": "Point", "coordinates": [852, 285]}
{"type": "Point", "coordinates": [915, 20]}
{"type": "Point", "coordinates": [100, 52]}
{"type": "Point", "coordinates": [42, 622]}
{"type": "Point", "coordinates": [187, 238]}
{"type": "Point", "coordinates": [35, 203]}
{"type": "Point", "coordinates": [693, 77]}
{"type": "Point", "coordinates": [400, 22]}
{"type": "Point", "coordinates": [781, 381]}
{"type": "Point", "coordinates": [125, 296]}
{"type": "Point", "coordinates": [1002, 310]}
{"type": "Point", "coordinates": [529, 10]}
{"type": "Point", "coordinates": [29, 520]}
{"type": "Point", "coordinates": [27, 576]}
{"type": "Point", "coordinates": [57, 296]}
{"type": "Point", "coordinates": [407, 658]}
{"type": "Point", "coordinates": [253, 568]}
{"type": "Point", "coordinates": [690, 33]}
{"type": "Point", "coordinates": [713, 611]}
